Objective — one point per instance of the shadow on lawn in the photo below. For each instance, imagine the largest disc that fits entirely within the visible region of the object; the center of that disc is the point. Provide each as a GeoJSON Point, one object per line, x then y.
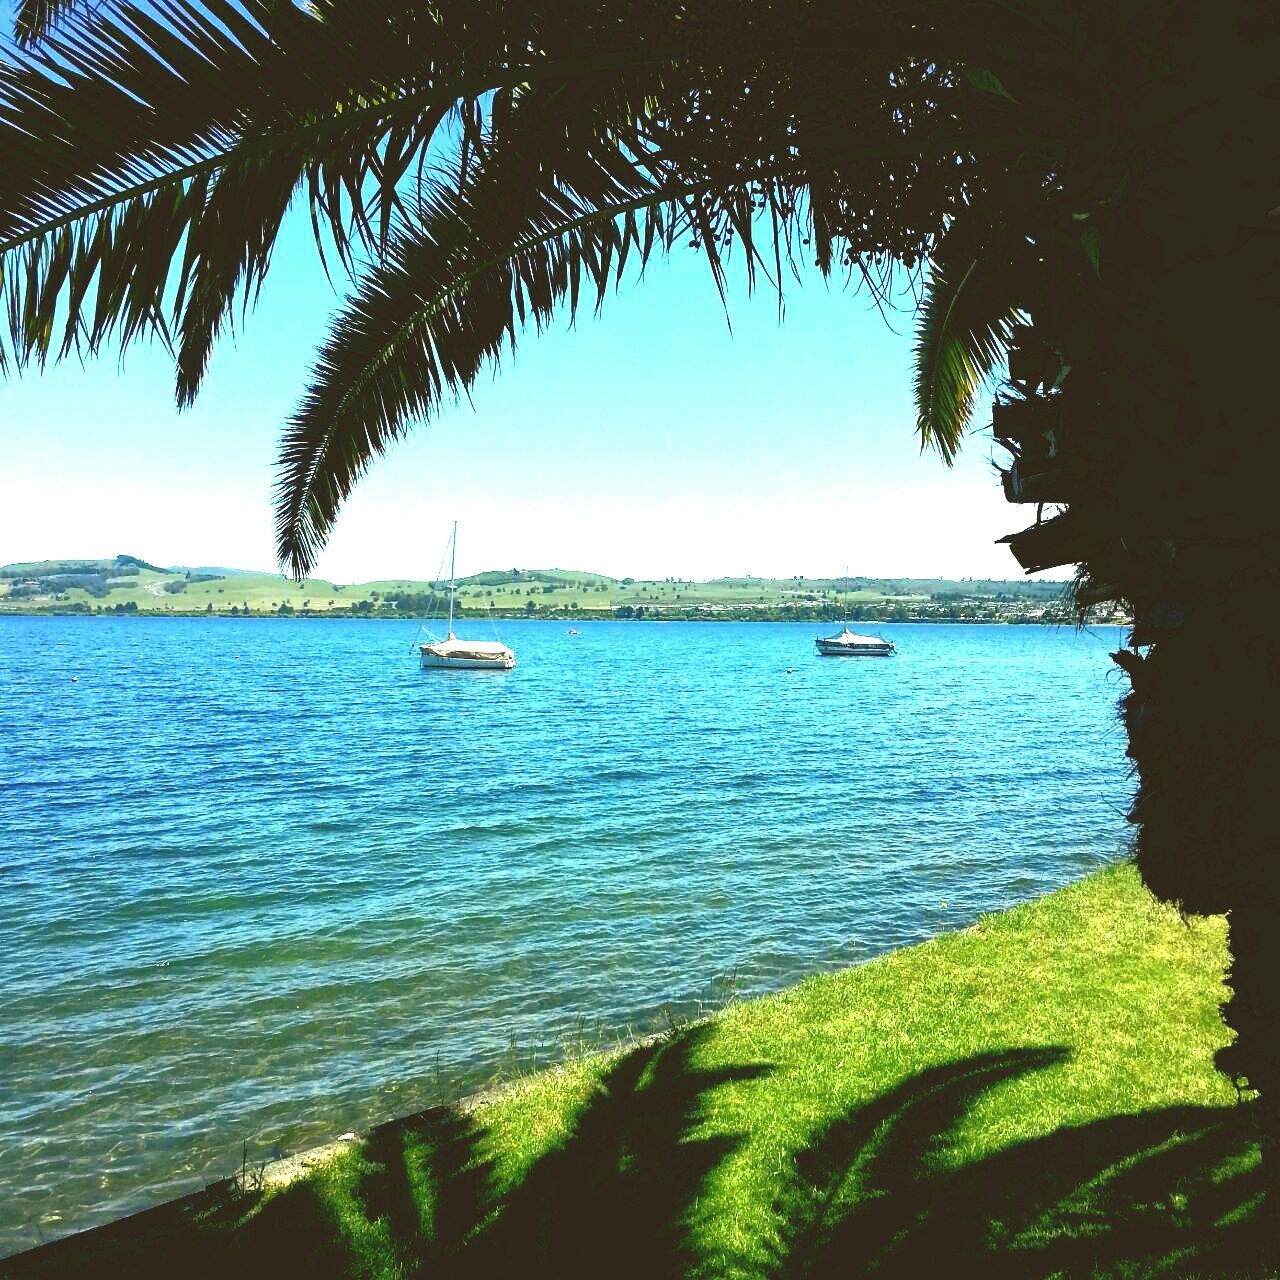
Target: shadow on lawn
{"type": "Point", "coordinates": [1159, 1193]}
{"type": "Point", "coordinates": [610, 1200]}
{"type": "Point", "coordinates": [1173, 1192]}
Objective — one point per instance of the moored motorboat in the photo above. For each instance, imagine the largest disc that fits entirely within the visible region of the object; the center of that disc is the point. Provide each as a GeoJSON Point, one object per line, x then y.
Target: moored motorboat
{"type": "Point", "coordinates": [848, 644]}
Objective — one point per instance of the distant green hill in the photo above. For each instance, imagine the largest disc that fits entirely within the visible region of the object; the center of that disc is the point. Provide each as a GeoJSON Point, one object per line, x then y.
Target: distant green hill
{"type": "Point", "coordinates": [219, 571]}
{"type": "Point", "coordinates": [53, 568]}
{"type": "Point", "coordinates": [128, 584]}
{"type": "Point", "coordinates": [502, 577]}
{"type": "Point", "coordinates": [909, 588]}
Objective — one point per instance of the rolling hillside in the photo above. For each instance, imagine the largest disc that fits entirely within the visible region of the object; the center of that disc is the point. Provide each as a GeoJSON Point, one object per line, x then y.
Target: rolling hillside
{"type": "Point", "coordinates": [128, 584]}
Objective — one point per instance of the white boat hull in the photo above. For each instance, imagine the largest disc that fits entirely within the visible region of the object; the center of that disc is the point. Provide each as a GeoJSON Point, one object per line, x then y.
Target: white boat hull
{"type": "Point", "coordinates": [458, 662]}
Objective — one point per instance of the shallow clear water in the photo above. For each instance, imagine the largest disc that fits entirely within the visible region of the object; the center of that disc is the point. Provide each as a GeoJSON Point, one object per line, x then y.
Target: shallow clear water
{"type": "Point", "coordinates": [267, 880]}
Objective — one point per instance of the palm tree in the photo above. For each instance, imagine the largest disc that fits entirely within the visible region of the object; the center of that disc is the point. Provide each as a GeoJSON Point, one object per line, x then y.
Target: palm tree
{"type": "Point", "coordinates": [1076, 180]}
{"type": "Point", "coordinates": [475, 165]}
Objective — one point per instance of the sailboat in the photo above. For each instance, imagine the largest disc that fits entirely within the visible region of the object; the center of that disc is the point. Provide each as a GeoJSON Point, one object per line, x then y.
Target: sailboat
{"type": "Point", "coordinates": [479, 655]}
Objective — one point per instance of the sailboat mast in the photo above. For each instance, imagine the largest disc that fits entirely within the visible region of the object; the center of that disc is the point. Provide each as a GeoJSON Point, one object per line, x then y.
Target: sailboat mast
{"type": "Point", "coordinates": [453, 566]}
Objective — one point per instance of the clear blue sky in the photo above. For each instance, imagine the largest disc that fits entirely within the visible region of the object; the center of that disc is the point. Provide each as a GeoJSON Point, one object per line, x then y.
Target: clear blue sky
{"type": "Point", "coordinates": [650, 441]}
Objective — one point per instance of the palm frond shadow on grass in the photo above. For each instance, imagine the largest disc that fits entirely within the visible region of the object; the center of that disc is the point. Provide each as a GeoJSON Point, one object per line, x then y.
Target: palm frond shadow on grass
{"type": "Point", "coordinates": [1166, 1192]}
{"type": "Point", "coordinates": [612, 1198]}
{"type": "Point", "coordinates": [615, 1197]}
{"type": "Point", "coordinates": [430, 1184]}
{"type": "Point", "coordinates": [1171, 1192]}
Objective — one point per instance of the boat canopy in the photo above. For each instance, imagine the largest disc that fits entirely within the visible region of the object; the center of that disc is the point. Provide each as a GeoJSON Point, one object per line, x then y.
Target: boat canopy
{"type": "Point", "coordinates": [455, 648]}
{"type": "Point", "coordinates": [849, 637]}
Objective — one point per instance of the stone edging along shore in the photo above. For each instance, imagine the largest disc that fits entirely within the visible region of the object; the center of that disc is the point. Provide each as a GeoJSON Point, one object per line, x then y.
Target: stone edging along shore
{"type": "Point", "coordinates": [288, 1169]}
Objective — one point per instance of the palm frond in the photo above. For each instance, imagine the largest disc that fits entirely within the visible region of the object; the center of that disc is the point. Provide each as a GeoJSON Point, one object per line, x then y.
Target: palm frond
{"type": "Point", "coordinates": [962, 334]}
{"type": "Point", "coordinates": [35, 18]}
{"type": "Point", "coordinates": [545, 206]}
{"type": "Point", "coordinates": [148, 152]}
{"type": "Point", "coordinates": [123, 137]}
{"type": "Point", "coordinates": [150, 149]}
{"type": "Point", "coordinates": [451, 293]}
{"type": "Point", "coordinates": [550, 200]}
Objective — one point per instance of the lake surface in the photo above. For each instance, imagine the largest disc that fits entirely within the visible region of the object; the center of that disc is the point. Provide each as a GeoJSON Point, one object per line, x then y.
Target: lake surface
{"type": "Point", "coordinates": [267, 880]}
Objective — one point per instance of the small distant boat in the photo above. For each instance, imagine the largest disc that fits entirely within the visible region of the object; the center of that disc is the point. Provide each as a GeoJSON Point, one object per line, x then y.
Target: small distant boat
{"type": "Point", "coordinates": [573, 631]}
{"type": "Point", "coordinates": [850, 645]}
{"type": "Point", "coordinates": [478, 655]}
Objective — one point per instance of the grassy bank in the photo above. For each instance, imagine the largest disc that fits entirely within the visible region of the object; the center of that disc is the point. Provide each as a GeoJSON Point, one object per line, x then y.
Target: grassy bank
{"type": "Point", "coordinates": [1033, 1096]}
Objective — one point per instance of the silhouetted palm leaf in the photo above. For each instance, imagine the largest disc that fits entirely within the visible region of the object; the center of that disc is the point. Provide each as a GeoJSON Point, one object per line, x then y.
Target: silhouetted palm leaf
{"type": "Point", "coordinates": [483, 257]}
{"type": "Point", "coordinates": [150, 151]}
{"type": "Point", "coordinates": [33, 18]}
{"type": "Point", "coordinates": [962, 336]}
{"type": "Point", "coordinates": [141, 137]}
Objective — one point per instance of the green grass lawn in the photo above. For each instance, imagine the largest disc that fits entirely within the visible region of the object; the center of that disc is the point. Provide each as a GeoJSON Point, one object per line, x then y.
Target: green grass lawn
{"type": "Point", "coordinates": [1033, 1096]}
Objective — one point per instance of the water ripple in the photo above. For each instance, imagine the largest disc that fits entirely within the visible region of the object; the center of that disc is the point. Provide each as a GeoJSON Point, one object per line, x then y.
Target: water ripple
{"type": "Point", "coordinates": [266, 881]}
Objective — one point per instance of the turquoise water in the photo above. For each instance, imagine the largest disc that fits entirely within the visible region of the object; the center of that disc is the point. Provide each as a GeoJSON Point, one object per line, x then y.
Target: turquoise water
{"type": "Point", "coordinates": [266, 880]}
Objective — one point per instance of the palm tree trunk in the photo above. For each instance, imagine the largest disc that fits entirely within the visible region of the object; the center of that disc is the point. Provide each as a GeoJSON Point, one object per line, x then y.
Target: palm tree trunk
{"type": "Point", "coordinates": [1165, 445]}
{"type": "Point", "coordinates": [1202, 722]}
{"type": "Point", "coordinates": [1189, 302]}
{"type": "Point", "coordinates": [1203, 715]}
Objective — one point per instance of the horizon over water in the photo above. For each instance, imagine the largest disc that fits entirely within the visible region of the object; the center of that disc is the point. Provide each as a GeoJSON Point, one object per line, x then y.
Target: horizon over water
{"type": "Point", "coordinates": [267, 880]}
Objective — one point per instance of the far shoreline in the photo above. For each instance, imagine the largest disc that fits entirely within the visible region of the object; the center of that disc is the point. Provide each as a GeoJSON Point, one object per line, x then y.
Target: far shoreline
{"type": "Point", "coordinates": [1068, 618]}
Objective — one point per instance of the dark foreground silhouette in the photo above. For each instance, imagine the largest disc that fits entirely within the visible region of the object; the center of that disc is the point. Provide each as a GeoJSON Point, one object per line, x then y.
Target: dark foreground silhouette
{"type": "Point", "coordinates": [1173, 1192]}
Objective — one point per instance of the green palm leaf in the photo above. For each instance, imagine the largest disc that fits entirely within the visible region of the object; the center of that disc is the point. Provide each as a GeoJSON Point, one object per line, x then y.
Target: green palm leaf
{"type": "Point", "coordinates": [139, 138]}
{"type": "Point", "coordinates": [452, 292]}
{"type": "Point", "coordinates": [963, 332]}
{"type": "Point", "coordinates": [150, 149]}
{"type": "Point", "coordinates": [546, 206]}
{"type": "Point", "coordinates": [148, 152]}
